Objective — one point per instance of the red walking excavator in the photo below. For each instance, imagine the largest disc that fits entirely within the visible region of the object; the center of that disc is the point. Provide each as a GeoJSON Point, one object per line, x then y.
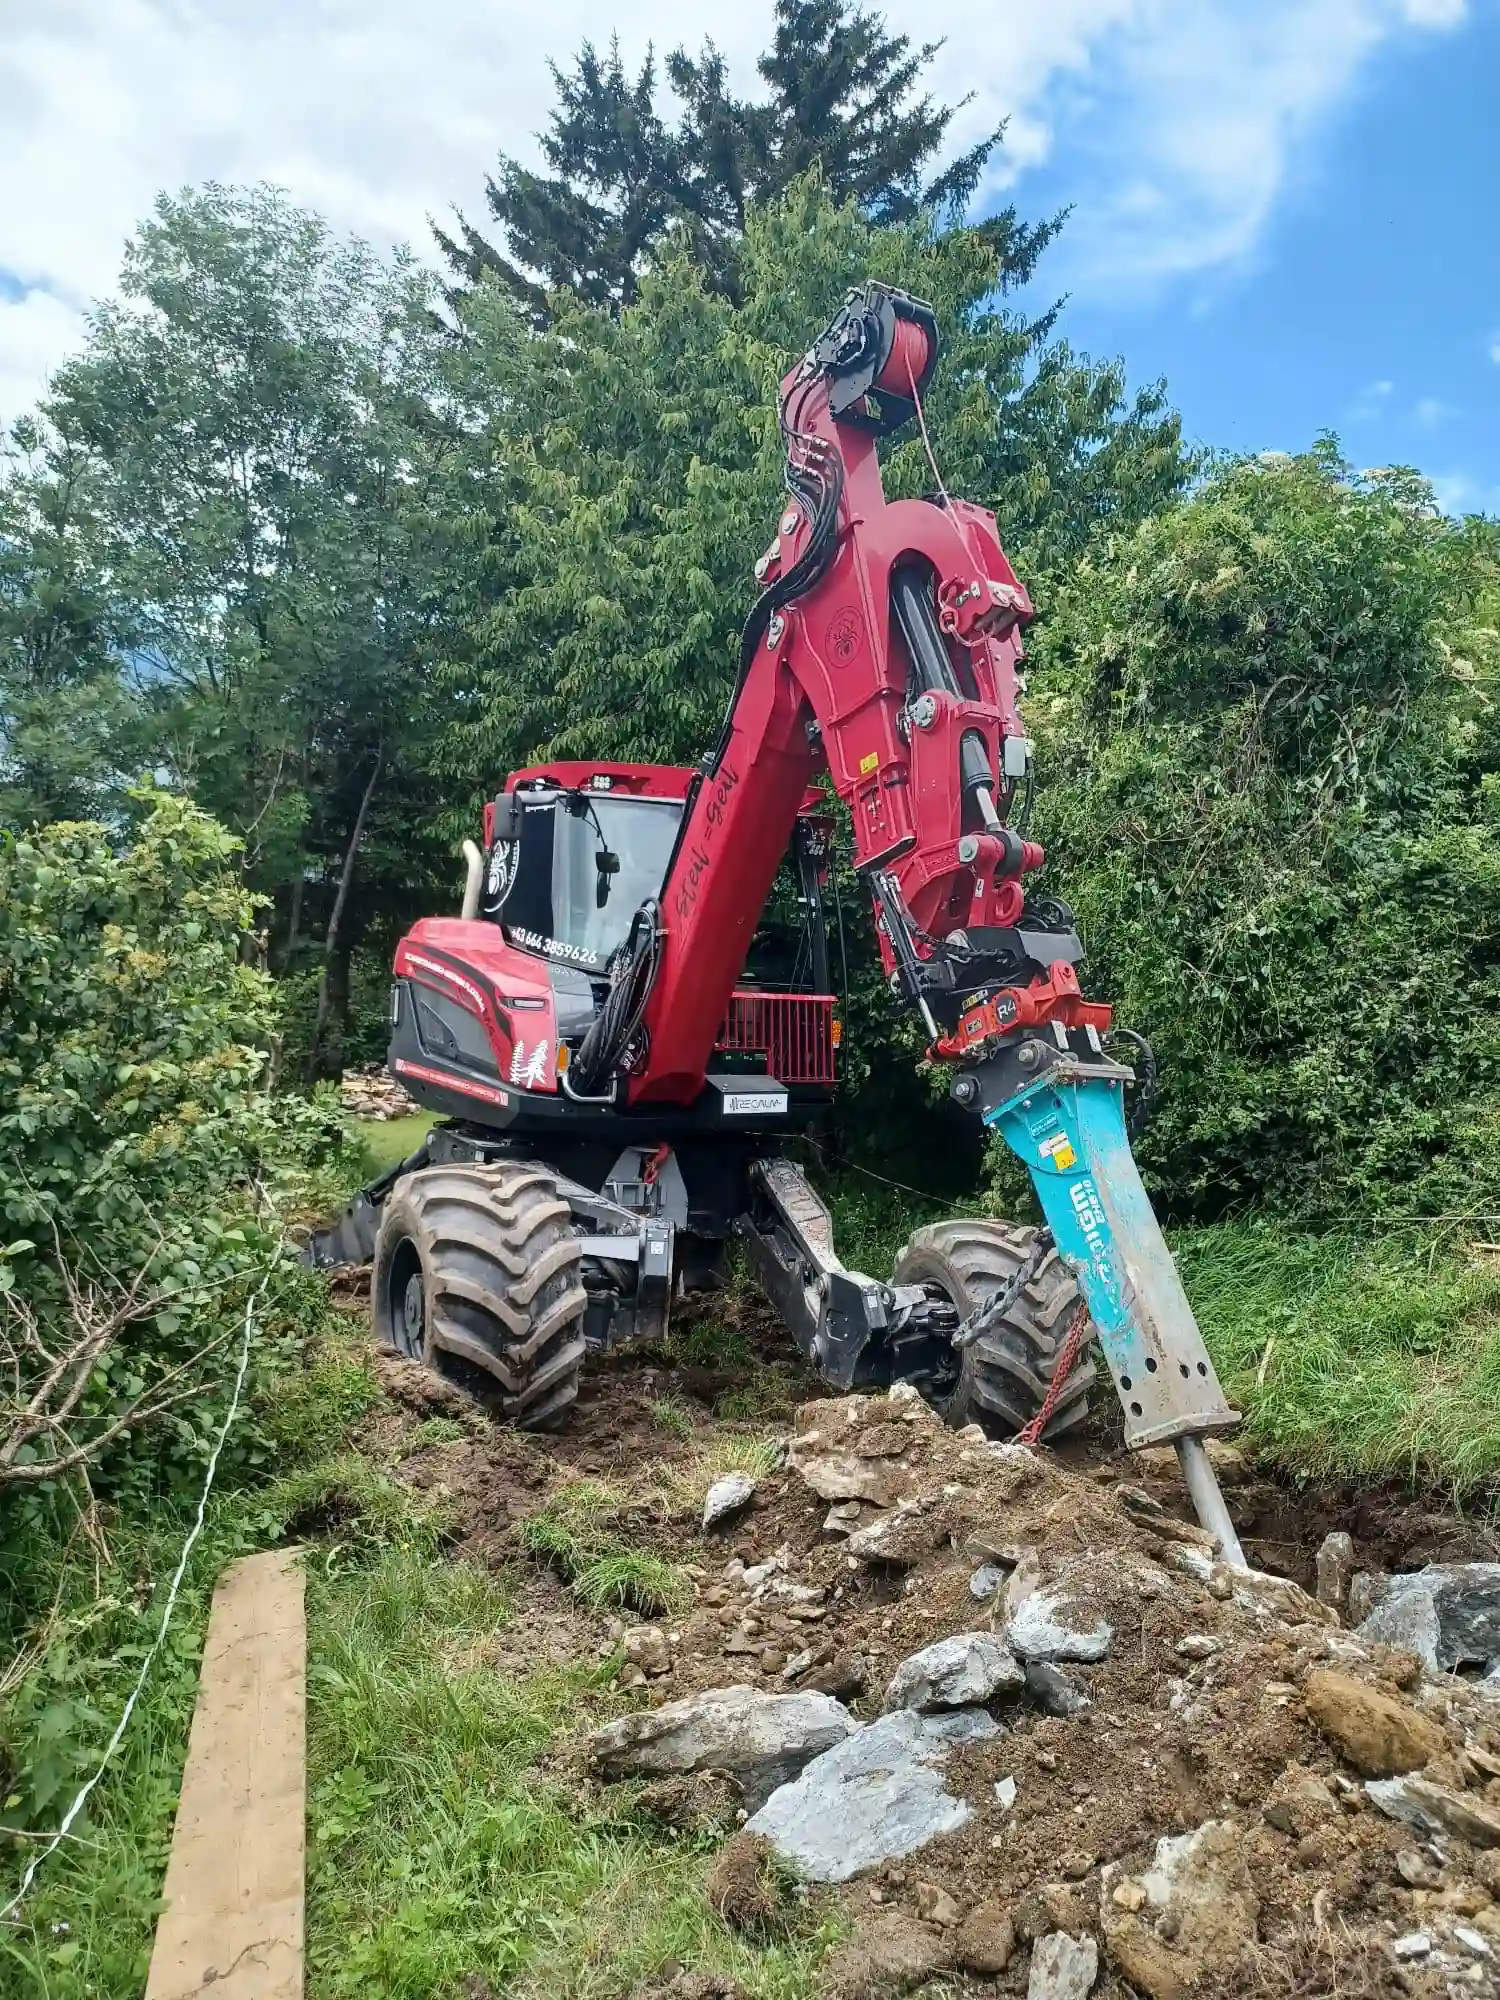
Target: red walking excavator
{"type": "Point", "coordinates": [615, 1093]}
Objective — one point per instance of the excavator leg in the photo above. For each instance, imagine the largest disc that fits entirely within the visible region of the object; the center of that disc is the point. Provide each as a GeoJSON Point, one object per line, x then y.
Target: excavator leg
{"type": "Point", "coordinates": [1068, 1128]}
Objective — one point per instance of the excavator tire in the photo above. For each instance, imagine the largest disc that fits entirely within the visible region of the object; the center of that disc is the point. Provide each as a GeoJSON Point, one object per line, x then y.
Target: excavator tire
{"type": "Point", "coordinates": [1004, 1377]}
{"type": "Point", "coordinates": [478, 1274]}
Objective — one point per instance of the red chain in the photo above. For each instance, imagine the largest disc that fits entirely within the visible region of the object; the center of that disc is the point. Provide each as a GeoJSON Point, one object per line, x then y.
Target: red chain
{"type": "Point", "coordinates": [1072, 1343]}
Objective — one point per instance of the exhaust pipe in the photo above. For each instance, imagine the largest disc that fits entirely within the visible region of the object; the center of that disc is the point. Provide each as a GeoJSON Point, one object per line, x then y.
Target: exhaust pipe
{"type": "Point", "coordinates": [473, 879]}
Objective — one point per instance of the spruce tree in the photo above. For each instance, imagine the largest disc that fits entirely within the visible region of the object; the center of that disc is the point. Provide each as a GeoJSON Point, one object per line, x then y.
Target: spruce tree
{"type": "Point", "coordinates": [840, 94]}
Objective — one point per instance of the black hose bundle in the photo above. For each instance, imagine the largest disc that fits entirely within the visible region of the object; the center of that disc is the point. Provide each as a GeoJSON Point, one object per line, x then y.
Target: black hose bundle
{"type": "Point", "coordinates": [632, 974]}
{"type": "Point", "coordinates": [813, 475]}
{"type": "Point", "coordinates": [1148, 1079]}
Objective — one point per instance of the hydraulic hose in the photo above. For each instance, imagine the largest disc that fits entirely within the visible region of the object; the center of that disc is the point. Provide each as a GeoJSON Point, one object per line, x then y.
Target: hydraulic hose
{"type": "Point", "coordinates": [632, 976]}
{"type": "Point", "coordinates": [813, 475]}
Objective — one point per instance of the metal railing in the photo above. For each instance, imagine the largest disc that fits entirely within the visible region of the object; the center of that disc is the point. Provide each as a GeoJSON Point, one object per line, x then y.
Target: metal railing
{"type": "Point", "coordinates": [795, 1032]}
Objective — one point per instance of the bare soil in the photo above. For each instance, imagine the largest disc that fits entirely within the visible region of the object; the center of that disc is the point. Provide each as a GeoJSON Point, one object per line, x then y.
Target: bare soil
{"type": "Point", "coordinates": [1173, 1738]}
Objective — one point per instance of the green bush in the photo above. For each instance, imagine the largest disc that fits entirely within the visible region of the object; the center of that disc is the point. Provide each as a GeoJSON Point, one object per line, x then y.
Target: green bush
{"type": "Point", "coordinates": [1269, 759]}
{"type": "Point", "coordinates": [1353, 1358]}
{"type": "Point", "coordinates": [140, 1156]}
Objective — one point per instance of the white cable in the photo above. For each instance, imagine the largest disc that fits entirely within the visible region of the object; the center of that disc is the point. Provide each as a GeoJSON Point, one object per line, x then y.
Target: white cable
{"type": "Point", "coordinates": [166, 1617]}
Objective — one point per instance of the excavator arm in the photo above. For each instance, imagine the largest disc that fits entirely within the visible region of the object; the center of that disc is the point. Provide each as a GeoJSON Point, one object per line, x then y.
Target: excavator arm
{"type": "Point", "coordinates": [884, 649]}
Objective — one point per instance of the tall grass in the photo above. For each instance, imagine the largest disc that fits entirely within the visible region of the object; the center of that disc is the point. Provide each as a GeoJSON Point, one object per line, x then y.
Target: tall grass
{"type": "Point", "coordinates": [442, 1855]}
{"type": "Point", "coordinates": [1355, 1357]}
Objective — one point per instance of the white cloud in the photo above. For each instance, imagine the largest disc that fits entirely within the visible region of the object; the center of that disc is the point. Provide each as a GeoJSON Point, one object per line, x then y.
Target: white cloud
{"type": "Point", "coordinates": [381, 112]}
{"type": "Point", "coordinates": [1495, 351]}
{"type": "Point", "coordinates": [1431, 411]}
{"type": "Point", "coordinates": [36, 331]}
{"type": "Point", "coordinates": [1372, 401]}
{"type": "Point", "coordinates": [1461, 493]}
{"type": "Point", "coordinates": [1201, 112]}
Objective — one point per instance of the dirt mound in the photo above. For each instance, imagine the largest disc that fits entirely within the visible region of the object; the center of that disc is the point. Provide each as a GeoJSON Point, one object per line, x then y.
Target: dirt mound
{"type": "Point", "coordinates": [1183, 1771]}
{"type": "Point", "coordinates": [742, 1886]}
{"type": "Point", "coordinates": [1193, 1816]}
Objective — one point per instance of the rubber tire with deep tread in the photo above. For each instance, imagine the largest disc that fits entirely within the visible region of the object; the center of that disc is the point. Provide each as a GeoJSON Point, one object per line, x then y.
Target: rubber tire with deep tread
{"type": "Point", "coordinates": [502, 1285]}
{"type": "Point", "coordinates": [1004, 1376]}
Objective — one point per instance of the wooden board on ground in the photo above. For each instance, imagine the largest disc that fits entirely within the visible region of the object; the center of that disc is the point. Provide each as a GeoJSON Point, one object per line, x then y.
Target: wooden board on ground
{"type": "Point", "coordinates": [232, 1925]}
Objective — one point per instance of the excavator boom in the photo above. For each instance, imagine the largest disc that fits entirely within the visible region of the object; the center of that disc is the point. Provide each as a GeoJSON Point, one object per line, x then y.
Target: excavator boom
{"type": "Point", "coordinates": [885, 650]}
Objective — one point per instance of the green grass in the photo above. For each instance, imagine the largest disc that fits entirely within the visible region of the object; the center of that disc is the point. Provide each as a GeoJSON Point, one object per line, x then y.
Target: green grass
{"type": "Point", "coordinates": [573, 1531]}
{"type": "Point", "coordinates": [673, 1416]}
{"type": "Point", "coordinates": [85, 1931]}
{"type": "Point", "coordinates": [1353, 1357]}
{"type": "Point", "coordinates": [432, 1431]}
{"type": "Point", "coordinates": [440, 1851]}
{"type": "Point", "coordinates": [388, 1141]}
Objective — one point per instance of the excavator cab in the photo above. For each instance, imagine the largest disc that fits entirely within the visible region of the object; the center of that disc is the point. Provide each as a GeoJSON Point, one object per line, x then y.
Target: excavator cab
{"type": "Point", "coordinates": [569, 864]}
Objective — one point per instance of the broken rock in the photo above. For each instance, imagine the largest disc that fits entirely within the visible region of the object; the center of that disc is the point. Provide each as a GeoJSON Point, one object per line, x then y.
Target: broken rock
{"type": "Point", "coordinates": [901, 1538]}
{"type": "Point", "coordinates": [881, 1441]}
{"type": "Point", "coordinates": [1053, 1620]}
{"type": "Point", "coordinates": [986, 1942]}
{"type": "Point", "coordinates": [1299, 1802]}
{"type": "Point", "coordinates": [1063, 1967]}
{"type": "Point", "coordinates": [966, 1670]}
{"type": "Point", "coordinates": [1432, 1809]}
{"type": "Point", "coordinates": [1197, 1646]}
{"type": "Point", "coordinates": [1052, 1691]}
{"type": "Point", "coordinates": [875, 1796]}
{"type": "Point", "coordinates": [646, 1647]}
{"type": "Point", "coordinates": [1335, 1566]}
{"type": "Point", "coordinates": [727, 1497]}
{"type": "Point", "coordinates": [1415, 1944]}
{"type": "Point", "coordinates": [1275, 1596]}
{"type": "Point", "coordinates": [936, 1906]}
{"type": "Point", "coordinates": [835, 1473]}
{"type": "Point", "coordinates": [986, 1582]}
{"type": "Point", "coordinates": [1380, 1735]}
{"type": "Point", "coordinates": [1448, 1614]}
{"type": "Point", "coordinates": [763, 1739]}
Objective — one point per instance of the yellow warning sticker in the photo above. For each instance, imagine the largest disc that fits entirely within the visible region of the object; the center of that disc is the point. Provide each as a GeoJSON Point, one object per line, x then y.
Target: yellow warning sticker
{"type": "Point", "coordinates": [1059, 1149]}
{"type": "Point", "coordinates": [868, 764]}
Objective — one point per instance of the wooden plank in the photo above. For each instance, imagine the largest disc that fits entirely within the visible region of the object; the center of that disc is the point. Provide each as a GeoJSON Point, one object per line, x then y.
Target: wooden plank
{"type": "Point", "coordinates": [232, 1926]}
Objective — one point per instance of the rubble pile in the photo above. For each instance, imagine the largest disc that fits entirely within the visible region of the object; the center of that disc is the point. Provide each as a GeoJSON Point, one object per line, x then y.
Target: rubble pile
{"type": "Point", "coordinates": [374, 1093]}
{"type": "Point", "coordinates": [1044, 1742]}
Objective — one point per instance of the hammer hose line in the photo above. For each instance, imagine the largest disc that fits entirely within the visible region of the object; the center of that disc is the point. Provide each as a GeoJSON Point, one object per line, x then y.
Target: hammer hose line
{"type": "Point", "coordinates": [813, 475]}
{"type": "Point", "coordinates": [1148, 1081]}
{"type": "Point", "coordinates": [632, 975]}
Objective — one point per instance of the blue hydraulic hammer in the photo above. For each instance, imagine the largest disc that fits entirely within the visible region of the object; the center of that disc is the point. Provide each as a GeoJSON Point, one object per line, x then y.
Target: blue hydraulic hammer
{"type": "Point", "coordinates": [1058, 1101]}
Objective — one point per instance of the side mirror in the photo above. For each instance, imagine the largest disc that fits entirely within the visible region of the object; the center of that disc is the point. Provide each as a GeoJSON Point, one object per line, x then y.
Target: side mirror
{"type": "Point", "coordinates": [608, 866]}
{"type": "Point", "coordinates": [505, 817]}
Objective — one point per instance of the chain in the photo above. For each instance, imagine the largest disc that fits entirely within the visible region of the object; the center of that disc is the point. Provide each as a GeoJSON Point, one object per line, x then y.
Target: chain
{"type": "Point", "coordinates": [979, 1322]}
{"type": "Point", "coordinates": [1077, 1334]}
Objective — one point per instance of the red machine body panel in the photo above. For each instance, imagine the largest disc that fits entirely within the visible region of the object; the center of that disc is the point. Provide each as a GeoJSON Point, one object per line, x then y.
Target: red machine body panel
{"type": "Point", "coordinates": [469, 962]}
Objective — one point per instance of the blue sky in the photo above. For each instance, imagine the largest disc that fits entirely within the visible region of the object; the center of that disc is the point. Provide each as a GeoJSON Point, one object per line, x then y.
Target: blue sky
{"type": "Point", "coordinates": [1368, 304]}
{"type": "Point", "coordinates": [1285, 207]}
